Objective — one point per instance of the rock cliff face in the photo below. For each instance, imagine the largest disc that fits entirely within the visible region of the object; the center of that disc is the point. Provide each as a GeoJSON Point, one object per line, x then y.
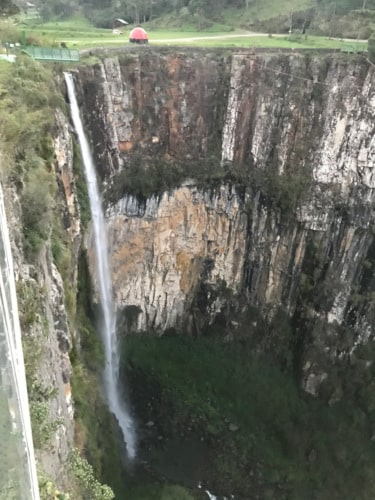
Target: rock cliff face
{"type": "Point", "coordinates": [149, 105]}
{"type": "Point", "coordinates": [287, 224]}
{"type": "Point", "coordinates": [181, 239]}
{"type": "Point", "coordinates": [44, 321]}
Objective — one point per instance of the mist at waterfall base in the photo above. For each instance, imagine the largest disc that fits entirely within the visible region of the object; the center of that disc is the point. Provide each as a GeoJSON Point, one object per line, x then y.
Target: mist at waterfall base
{"type": "Point", "coordinates": [115, 400]}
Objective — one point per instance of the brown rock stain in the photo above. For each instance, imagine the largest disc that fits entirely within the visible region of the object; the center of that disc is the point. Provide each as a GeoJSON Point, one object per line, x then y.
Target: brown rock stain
{"type": "Point", "coordinates": [189, 268]}
{"type": "Point", "coordinates": [67, 183]}
{"type": "Point", "coordinates": [125, 146]}
{"type": "Point", "coordinates": [129, 256]}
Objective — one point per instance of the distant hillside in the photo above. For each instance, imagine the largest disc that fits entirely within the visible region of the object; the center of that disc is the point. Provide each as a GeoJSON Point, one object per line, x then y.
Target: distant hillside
{"type": "Point", "coordinates": [340, 18]}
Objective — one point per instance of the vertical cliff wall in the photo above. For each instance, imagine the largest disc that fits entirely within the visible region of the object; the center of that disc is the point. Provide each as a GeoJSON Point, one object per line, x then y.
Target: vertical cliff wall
{"type": "Point", "coordinates": [47, 335]}
{"type": "Point", "coordinates": [148, 106]}
{"type": "Point", "coordinates": [277, 212]}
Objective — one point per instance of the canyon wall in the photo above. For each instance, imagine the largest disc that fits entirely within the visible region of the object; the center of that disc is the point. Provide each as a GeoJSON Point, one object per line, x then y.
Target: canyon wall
{"type": "Point", "coordinates": [271, 203]}
{"type": "Point", "coordinates": [46, 331]}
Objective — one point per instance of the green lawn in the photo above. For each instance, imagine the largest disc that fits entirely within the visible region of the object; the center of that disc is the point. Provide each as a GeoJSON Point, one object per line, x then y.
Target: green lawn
{"type": "Point", "coordinates": [279, 41]}
{"type": "Point", "coordinates": [102, 38]}
{"type": "Point", "coordinates": [78, 33]}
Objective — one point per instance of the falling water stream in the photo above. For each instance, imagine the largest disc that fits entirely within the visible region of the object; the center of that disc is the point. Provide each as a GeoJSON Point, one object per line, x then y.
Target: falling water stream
{"type": "Point", "coordinates": [111, 371]}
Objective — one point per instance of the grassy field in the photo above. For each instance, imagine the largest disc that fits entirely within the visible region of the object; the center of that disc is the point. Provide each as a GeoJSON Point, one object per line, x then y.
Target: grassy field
{"type": "Point", "coordinates": [82, 40]}
{"type": "Point", "coordinates": [78, 33]}
{"type": "Point", "coordinates": [278, 41]}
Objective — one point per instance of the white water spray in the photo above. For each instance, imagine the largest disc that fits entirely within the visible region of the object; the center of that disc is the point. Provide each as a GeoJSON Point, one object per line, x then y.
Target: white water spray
{"type": "Point", "coordinates": [111, 372]}
{"type": "Point", "coordinates": [211, 496]}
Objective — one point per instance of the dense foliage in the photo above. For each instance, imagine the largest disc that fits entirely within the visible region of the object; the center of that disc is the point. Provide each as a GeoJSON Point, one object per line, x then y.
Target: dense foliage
{"type": "Point", "coordinates": [29, 99]}
{"type": "Point", "coordinates": [264, 434]}
{"type": "Point", "coordinates": [371, 48]}
{"type": "Point", "coordinates": [102, 12]}
{"type": "Point", "coordinates": [26, 115]}
{"type": "Point", "coordinates": [8, 8]}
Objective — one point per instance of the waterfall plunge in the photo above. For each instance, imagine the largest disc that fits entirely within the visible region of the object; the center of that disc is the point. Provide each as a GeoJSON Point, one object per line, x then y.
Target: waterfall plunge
{"type": "Point", "coordinates": [111, 371]}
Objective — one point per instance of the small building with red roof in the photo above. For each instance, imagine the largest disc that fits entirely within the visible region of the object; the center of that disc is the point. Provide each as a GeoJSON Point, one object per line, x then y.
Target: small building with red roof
{"type": "Point", "coordinates": [138, 35]}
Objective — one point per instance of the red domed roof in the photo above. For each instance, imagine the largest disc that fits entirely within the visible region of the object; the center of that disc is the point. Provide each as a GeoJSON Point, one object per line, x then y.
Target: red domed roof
{"type": "Point", "coordinates": [138, 34]}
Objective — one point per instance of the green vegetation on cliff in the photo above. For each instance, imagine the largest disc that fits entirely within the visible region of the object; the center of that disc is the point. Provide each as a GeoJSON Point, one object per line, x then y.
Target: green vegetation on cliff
{"type": "Point", "coordinates": [263, 435]}
{"type": "Point", "coordinates": [29, 99]}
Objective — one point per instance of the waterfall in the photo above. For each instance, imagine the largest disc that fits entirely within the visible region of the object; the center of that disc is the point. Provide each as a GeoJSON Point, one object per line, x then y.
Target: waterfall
{"type": "Point", "coordinates": [111, 371]}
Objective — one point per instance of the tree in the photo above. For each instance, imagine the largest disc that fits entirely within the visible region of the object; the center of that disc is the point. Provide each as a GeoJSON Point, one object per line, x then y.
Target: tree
{"type": "Point", "coordinates": [371, 48]}
{"type": "Point", "coordinates": [7, 8]}
{"type": "Point", "coordinates": [57, 9]}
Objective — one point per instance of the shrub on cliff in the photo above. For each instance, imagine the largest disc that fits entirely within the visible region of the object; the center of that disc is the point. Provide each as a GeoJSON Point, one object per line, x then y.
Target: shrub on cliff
{"type": "Point", "coordinates": [29, 98]}
{"type": "Point", "coordinates": [371, 48]}
{"type": "Point", "coordinates": [174, 492]}
{"type": "Point", "coordinates": [36, 202]}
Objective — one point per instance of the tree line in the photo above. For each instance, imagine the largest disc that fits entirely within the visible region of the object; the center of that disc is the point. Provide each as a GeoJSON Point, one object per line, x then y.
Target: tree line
{"type": "Point", "coordinates": [102, 12]}
{"type": "Point", "coordinates": [135, 11]}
